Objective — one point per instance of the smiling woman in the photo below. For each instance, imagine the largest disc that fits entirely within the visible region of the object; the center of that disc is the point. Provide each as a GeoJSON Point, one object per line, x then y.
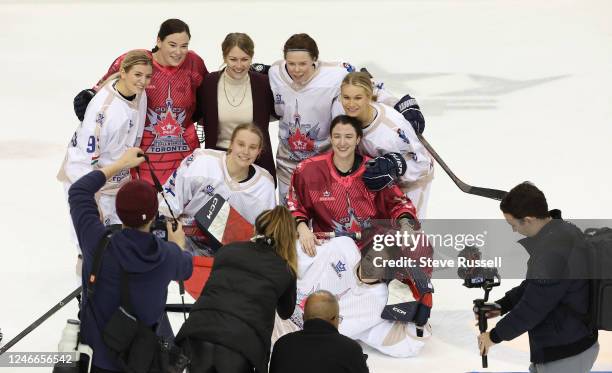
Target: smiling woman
{"type": "Point", "coordinates": [169, 134]}
{"type": "Point", "coordinates": [304, 91]}
{"type": "Point", "coordinates": [234, 95]}
{"type": "Point", "coordinates": [248, 188]}
{"type": "Point", "coordinates": [386, 130]}
{"type": "Point", "coordinates": [113, 122]}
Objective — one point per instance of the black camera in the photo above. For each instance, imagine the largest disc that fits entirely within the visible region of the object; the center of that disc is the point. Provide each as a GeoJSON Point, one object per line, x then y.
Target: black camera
{"type": "Point", "coordinates": [479, 277]}
{"type": "Point", "coordinates": [159, 228]}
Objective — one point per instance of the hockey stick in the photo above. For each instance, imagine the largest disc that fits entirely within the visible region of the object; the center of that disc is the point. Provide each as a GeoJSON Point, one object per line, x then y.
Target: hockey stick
{"type": "Point", "coordinates": [483, 192]}
{"type": "Point", "coordinates": [40, 320]}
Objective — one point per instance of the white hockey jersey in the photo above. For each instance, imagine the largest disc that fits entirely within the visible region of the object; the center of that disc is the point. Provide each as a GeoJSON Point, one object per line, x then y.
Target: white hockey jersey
{"type": "Point", "coordinates": [203, 174]}
{"type": "Point", "coordinates": [390, 132]}
{"type": "Point", "coordinates": [110, 126]}
{"type": "Point", "coordinates": [334, 268]}
{"type": "Point", "coordinates": [305, 112]}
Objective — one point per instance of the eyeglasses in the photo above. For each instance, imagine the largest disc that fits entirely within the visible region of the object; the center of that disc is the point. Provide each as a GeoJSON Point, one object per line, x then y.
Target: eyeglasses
{"type": "Point", "coordinates": [339, 317]}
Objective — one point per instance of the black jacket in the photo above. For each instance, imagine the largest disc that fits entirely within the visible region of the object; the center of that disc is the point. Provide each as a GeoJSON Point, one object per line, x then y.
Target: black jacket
{"type": "Point", "coordinates": [541, 304]}
{"type": "Point", "coordinates": [318, 348]}
{"type": "Point", "coordinates": [248, 282]}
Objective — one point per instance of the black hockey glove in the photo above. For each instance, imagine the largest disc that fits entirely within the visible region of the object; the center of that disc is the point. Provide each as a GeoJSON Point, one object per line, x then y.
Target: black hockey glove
{"type": "Point", "coordinates": [383, 171]}
{"type": "Point", "coordinates": [80, 102]}
{"type": "Point", "coordinates": [260, 68]}
{"type": "Point", "coordinates": [411, 110]}
{"type": "Point", "coordinates": [422, 314]}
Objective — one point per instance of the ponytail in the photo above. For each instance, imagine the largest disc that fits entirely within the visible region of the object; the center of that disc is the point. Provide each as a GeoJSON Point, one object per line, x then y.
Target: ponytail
{"type": "Point", "coordinates": [276, 227]}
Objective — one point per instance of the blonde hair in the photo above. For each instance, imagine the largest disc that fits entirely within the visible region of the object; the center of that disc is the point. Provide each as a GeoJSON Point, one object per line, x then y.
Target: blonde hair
{"type": "Point", "coordinates": [249, 127]}
{"type": "Point", "coordinates": [279, 225]}
{"type": "Point", "coordinates": [362, 80]}
{"type": "Point", "coordinates": [131, 59]}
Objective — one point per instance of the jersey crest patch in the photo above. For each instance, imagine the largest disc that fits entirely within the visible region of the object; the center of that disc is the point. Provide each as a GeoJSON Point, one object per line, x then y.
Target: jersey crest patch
{"type": "Point", "coordinates": [278, 99]}
{"type": "Point", "coordinates": [100, 118]}
{"type": "Point", "coordinates": [339, 268]}
{"type": "Point", "coordinates": [166, 124]}
{"type": "Point", "coordinates": [189, 160]}
{"type": "Point", "coordinates": [327, 196]}
{"type": "Point", "coordinates": [351, 223]}
{"type": "Point", "coordinates": [301, 137]}
{"type": "Point", "coordinates": [402, 135]}
{"type": "Point", "coordinates": [210, 190]}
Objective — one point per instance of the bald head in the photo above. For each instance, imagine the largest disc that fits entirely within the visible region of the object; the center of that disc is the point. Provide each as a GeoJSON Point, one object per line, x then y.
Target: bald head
{"type": "Point", "coordinates": [322, 305]}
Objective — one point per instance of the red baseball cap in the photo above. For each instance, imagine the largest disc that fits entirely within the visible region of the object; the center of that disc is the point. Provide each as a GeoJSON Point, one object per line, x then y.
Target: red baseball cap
{"type": "Point", "coordinates": [136, 203]}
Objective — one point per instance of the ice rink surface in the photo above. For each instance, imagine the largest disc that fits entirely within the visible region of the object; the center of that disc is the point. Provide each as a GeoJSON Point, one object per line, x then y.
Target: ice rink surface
{"type": "Point", "coordinates": [511, 91]}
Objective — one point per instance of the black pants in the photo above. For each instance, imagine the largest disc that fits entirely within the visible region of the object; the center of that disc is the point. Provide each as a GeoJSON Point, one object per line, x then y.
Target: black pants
{"type": "Point", "coordinates": [208, 357]}
{"type": "Point", "coordinates": [95, 369]}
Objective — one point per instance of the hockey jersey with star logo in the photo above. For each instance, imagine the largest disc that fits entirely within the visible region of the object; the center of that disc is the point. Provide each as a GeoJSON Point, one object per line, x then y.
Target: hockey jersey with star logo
{"type": "Point", "coordinates": [169, 135]}
{"type": "Point", "coordinates": [341, 204]}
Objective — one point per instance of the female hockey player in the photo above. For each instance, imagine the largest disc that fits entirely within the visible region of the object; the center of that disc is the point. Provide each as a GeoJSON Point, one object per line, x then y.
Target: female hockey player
{"type": "Point", "coordinates": [113, 122]}
{"type": "Point", "coordinates": [304, 89]}
{"type": "Point", "coordinates": [327, 192]}
{"type": "Point", "coordinates": [235, 95]}
{"type": "Point", "coordinates": [386, 130]}
{"type": "Point", "coordinates": [169, 135]}
{"type": "Point", "coordinates": [230, 325]}
{"type": "Point", "coordinates": [248, 188]}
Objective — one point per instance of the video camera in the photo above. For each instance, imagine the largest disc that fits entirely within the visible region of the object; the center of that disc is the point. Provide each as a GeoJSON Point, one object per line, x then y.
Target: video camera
{"type": "Point", "coordinates": [479, 277]}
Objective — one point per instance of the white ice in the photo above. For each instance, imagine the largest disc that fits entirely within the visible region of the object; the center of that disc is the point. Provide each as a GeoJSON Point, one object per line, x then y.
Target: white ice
{"type": "Point", "coordinates": [512, 91]}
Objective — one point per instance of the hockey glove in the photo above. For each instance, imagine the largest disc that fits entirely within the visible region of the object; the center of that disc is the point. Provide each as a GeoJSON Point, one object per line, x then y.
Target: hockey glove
{"type": "Point", "coordinates": [411, 110]}
{"type": "Point", "coordinates": [80, 102]}
{"type": "Point", "coordinates": [400, 308]}
{"type": "Point", "coordinates": [260, 68]}
{"type": "Point", "coordinates": [399, 305]}
{"type": "Point", "coordinates": [383, 171]}
{"type": "Point", "coordinates": [423, 312]}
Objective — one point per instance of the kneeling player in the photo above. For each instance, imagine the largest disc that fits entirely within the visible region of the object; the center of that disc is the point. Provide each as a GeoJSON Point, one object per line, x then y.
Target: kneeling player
{"type": "Point", "coordinates": [327, 192]}
{"type": "Point", "coordinates": [248, 188]}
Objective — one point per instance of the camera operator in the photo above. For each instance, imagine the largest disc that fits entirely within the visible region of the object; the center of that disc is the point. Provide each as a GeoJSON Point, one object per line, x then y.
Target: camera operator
{"type": "Point", "coordinates": [150, 262]}
{"type": "Point", "coordinates": [559, 340]}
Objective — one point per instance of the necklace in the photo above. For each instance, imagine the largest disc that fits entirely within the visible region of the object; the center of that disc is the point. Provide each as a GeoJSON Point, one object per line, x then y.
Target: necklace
{"type": "Point", "coordinates": [234, 97]}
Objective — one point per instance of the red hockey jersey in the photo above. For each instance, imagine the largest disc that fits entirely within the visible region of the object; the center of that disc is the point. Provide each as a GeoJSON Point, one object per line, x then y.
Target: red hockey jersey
{"type": "Point", "coordinates": [169, 134]}
{"type": "Point", "coordinates": [341, 204]}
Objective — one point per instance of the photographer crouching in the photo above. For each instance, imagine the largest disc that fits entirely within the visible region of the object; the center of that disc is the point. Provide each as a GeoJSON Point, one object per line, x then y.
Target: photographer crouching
{"type": "Point", "coordinates": [135, 267]}
{"type": "Point", "coordinates": [559, 340]}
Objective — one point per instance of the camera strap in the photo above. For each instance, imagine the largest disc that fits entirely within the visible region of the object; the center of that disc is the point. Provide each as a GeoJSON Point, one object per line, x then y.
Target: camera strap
{"type": "Point", "coordinates": [160, 189]}
{"type": "Point", "coordinates": [125, 301]}
{"type": "Point", "coordinates": [97, 263]}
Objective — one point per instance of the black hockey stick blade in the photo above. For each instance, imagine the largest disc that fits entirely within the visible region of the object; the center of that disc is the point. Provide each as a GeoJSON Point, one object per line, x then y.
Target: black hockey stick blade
{"type": "Point", "coordinates": [495, 194]}
{"type": "Point", "coordinates": [40, 320]}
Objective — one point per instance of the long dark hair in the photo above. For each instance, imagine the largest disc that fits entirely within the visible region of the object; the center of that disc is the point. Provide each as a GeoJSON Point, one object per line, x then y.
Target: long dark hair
{"type": "Point", "coordinates": [169, 27]}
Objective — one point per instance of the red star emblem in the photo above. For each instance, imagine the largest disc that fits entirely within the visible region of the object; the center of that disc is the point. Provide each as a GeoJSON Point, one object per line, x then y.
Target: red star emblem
{"type": "Point", "coordinates": [299, 142]}
{"type": "Point", "coordinates": [168, 126]}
